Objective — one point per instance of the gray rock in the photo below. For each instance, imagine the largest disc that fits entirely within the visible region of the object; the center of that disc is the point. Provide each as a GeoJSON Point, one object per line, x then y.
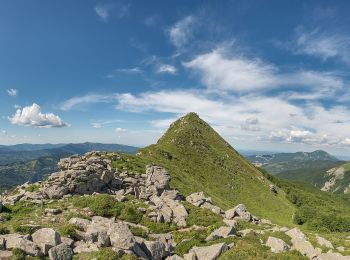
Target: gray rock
{"type": "Point", "coordinates": [82, 247]}
{"type": "Point", "coordinates": [29, 248]}
{"type": "Point", "coordinates": [196, 199]}
{"type": "Point", "coordinates": [46, 238]}
{"type": "Point", "coordinates": [68, 241]}
{"type": "Point", "coordinates": [61, 252]}
{"type": "Point", "coordinates": [14, 240]}
{"type": "Point", "coordinates": [53, 211]}
{"type": "Point", "coordinates": [155, 250]}
{"type": "Point", "coordinates": [157, 180]}
{"type": "Point", "coordinates": [230, 222]}
{"type": "Point", "coordinates": [121, 236]}
{"type": "Point", "coordinates": [277, 245]}
{"type": "Point", "coordinates": [5, 254]}
{"type": "Point", "coordinates": [242, 213]}
{"type": "Point", "coordinates": [221, 232]}
{"type": "Point", "coordinates": [81, 223]}
{"type": "Point", "coordinates": [209, 252]}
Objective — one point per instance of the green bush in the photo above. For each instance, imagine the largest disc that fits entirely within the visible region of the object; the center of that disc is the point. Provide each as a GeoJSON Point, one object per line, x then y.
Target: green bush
{"type": "Point", "coordinates": [4, 231]}
{"type": "Point", "coordinates": [202, 217]}
{"type": "Point", "coordinates": [67, 230]}
{"type": "Point", "coordinates": [131, 214]}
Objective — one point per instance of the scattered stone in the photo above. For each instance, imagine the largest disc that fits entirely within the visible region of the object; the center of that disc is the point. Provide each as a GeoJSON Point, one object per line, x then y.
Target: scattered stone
{"type": "Point", "coordinates": [230, 222]}
{"type": "Point", "coordinates": [301, 244]}
{"type": "Point", "coordinates": [5, 254]}
{"type": "Point", "coordinates": [221, 232]}
{"type": "Point", "coordinates": [61, 252]}
{"type": "Point", "coordinates": [68, 241]}
{"type": "Point", "coordinates": [209, 252]}
{"type": "Point", "coordinates": [174, 257]}
{"type": "Point", "coordinates": [277, 245]}
{"type": "Point", "coordinates": [29, 248]}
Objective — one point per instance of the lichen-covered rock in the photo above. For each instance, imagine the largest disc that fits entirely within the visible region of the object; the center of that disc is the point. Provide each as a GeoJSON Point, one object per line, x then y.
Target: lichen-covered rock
{"type": "Point", "coordinates": [239, 211]}
{"type": "Point", "coordinates": [155, 250]}
{"type": "Point", "coordinates": [46, 238]}
{"type": "Point", "coordinates": [81, 223]}
{"type": "Point", "coordinates": [198, 199]}
{"type": "Point", "coordinates": [61, 252]}
{"type": "Point", "coordinates": [121, 236]}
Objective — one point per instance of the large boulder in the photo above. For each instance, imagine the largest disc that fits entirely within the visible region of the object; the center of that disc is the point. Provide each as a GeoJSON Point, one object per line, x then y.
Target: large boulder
{"type": "Point", "coordinates": [209, 252]}
{"type": "Point", "coordinates": [121, 236]}
{"type": "Point", "coordinates": [61, 252]}
{"type": "Point", "coordinates": [46, 238]}
{"type": "Point", "coordinates": [14, 240]}
{"type": "Point", "coordinates": [155, 250]}
{"type": "Point", "coordinates": [324, 242]}
{"type": "Point", "coordinates": [221, 232]}
{"type": "Point", "coordinates": [277, 245]}
{"type": "Point", "coordinates": [301, 243]}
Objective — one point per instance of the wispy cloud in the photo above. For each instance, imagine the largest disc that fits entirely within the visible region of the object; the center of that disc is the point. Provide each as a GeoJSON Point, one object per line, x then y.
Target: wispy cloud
{"type": "Point", "coordinates": [224, 70]}
{"type": "Point", "coordinates": [166, 68]}
{"type": "Point", "coordinates": [322, 45]}
{"type": "Point", "coordinates": [104, 11]}
{"type": "Point", "coordinates": [81, 101]}
{"type": "Point", "coordinates": [133, 71]}
{"type": "Point", "coordinates": [12, 92]}
{"type": "Point", "coordinates": [182, 31]}
{"type": "Point", "coordinates": [102, 124]}
{"type": "Point", "coordinates": [121, 130]}
{"type": "Point", "coordinates": [32, 116]}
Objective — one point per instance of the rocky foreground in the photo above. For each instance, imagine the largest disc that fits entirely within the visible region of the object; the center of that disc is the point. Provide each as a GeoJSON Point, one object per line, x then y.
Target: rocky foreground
{"type": "Point", "coordinates": [94, 174]}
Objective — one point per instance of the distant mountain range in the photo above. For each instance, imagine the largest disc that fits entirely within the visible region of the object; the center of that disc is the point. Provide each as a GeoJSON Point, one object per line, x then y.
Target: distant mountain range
{"type": "Point", "coordinates": [32, 162]}
{"type": "Point", "coordinates": [318, 168]}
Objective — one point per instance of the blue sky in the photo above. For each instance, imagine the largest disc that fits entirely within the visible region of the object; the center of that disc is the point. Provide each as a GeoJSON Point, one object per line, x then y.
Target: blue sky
{"type": "Point", "coordinates": [268, 75]}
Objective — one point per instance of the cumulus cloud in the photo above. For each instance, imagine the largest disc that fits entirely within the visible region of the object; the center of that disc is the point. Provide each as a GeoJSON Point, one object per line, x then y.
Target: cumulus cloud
{"type": "Point", "coordinates": [166, 68]}
{"type": "Point", "coordinates": [181, 32]}
{"type": "Point", "coordinates": [32, 116]}
{"type": "Point", "coordinates": [12, 92]}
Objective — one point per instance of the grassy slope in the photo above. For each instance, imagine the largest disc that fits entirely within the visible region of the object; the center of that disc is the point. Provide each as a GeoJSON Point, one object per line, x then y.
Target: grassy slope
{"type": "Point", "coordinates": [200, 160]}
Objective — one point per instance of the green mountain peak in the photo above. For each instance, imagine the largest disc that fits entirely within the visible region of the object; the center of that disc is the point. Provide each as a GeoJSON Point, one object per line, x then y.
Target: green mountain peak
{"type": "Point", "coordinates": [199, 159]}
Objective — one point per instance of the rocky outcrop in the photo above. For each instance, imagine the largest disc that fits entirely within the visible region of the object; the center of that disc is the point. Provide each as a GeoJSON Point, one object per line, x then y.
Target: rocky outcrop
{"type": "Point", "coordinates": [240, 211]}
{"type": "Point", "coordinates": [198, 199]}
{"type": "Point", "coordinates": [221, 232]}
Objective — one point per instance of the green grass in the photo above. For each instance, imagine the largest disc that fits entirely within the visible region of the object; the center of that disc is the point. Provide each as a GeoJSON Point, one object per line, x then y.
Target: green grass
{"type": "Point", "coordinates": [250, 247]}
{"type": "Point", "coordinates": [202, 217]}
{"type": "Point", "coordinates": [316, 210]}
{"type": "Point", "coordinates": [104, 254]}
{"type": "Point", "coordinates": [33, 187]}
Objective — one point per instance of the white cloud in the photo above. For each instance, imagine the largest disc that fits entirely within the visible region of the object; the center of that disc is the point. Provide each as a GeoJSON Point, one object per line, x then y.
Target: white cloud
{"type": "Point", "coordinates": [166, 68]}
{"type": "Point", "coordinates": [32, 116]}
{"type": "Point", "coordinates": [135, 70]}
{"type": "Point", "coordinates": [12, 92]}
{"type": "Point", "coordinates": [102, 124]}
{"type": "Point", "coordinates": [222, 69]}
{"type": "Point", "coordinates": [4, 132]}
{"type": "Point", "coordinates": [103, 12]}
{"type": "Point", "coordinates": [78, 102]}
{"type": "Point", "coordinates": [120, 130]}
{"type": "Point", "coordinates": [182, 31]}
{"type": "Point", "coordinates": [323, 45]}
{"type": "Point", "coordinates": [271, 116]}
